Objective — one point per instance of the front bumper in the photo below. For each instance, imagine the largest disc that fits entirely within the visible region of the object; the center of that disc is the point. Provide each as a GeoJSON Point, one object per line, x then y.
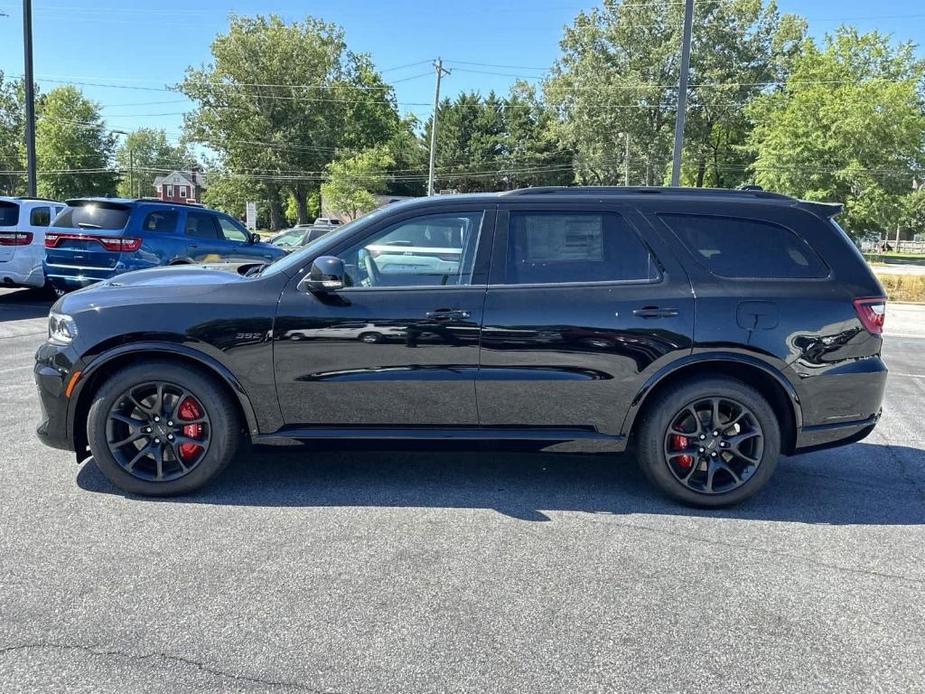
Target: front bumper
{"type": "Point", "coordinates": [51, 372]}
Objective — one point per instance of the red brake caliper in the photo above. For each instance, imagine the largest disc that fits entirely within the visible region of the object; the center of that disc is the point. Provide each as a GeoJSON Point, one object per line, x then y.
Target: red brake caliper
{"type": "Point", "coordinates": [189, 409]}
{"type": "Point", "coordinates": [679, 443]}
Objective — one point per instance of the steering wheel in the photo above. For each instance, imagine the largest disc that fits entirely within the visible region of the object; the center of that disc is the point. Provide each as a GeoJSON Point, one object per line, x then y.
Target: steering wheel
{"type": "Point", "coordinates": [372, 270]}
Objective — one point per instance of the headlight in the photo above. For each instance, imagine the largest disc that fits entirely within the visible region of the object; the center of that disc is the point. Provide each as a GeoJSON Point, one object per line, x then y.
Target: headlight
{"type": "Point", "coordinates": [61, 328]}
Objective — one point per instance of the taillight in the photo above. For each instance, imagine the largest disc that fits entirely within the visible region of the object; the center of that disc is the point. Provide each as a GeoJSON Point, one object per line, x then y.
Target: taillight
{"type": "Point", "coordinates": [872, 312]}
{"type": "Point", "coordinates": [15, 238]}
{"type": "Point", "coordinates": [110, 243]}
{"type": "Point", "coordinates": [120, 243]}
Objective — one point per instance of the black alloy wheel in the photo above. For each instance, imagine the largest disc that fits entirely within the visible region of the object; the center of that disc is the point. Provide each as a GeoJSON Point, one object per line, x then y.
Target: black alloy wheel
{"type": "Point", "coordinates": [714, 445]}
{"type": "Point", "coordinates": [160, 427]}
{"type": "Point", "coordinates": [158, 431]}
{"type": "Point", "coordinates": [708, 441]}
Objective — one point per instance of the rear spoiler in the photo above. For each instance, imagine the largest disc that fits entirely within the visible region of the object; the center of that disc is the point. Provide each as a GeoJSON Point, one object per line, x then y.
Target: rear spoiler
{"type": "Point", "coordinates": [111, 204]}
{"type": "Point", "coordinates": [824, 210]}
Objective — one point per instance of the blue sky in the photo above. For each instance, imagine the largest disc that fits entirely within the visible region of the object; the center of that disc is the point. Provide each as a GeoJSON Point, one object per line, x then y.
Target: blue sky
{"type": "Point", "coordinates": [142, 46]}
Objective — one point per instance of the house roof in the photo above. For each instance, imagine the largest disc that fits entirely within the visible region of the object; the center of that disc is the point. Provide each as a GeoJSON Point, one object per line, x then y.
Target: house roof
{"type": "Point", "coordinates": [180, 178]}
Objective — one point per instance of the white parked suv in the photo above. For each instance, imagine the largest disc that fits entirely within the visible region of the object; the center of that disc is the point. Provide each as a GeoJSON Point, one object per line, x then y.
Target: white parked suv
{"type": "Point", "coordinates": [23, 222]}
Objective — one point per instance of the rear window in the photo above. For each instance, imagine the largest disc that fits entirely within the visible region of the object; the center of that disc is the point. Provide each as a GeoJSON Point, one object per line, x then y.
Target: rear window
{"type": "Point", "coordinates": [552, 247]}
{"type": "Point", "coordinates": [93, 216]}
{"type": "Point", "coordinates": [9, 213]}
{"type": "Point", "coordinates": [746, 248]}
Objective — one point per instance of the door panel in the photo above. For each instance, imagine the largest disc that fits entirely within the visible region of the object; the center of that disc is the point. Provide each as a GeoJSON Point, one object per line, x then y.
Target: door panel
{"type": "Point", "coordinates": [379, 357]}
{"type": "Point", "coordinates": [376, 353]}
{"type": "Point", "coordinates": [575, 354]}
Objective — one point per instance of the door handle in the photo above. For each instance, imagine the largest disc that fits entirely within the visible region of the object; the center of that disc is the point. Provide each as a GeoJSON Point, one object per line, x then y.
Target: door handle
{"type": "Point", "coordinates": [655, 312]}
{"type": "Point", "coordinates": [447, 314]}
{"type": "Point", "coordinates": [194, 245]}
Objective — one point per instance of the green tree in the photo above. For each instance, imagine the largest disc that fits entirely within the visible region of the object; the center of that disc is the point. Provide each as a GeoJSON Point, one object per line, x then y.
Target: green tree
{"type": "Point", "coordinates": [280, 99]}
{"type": "Point", "coordinates": [144, 154]}
{"type": "Point", "coordinates": [617, 73]}
{"type": "Point", "coordinates": [848, 126]}
{"type": "Point", "coordinates": [73, 146]}
{"type": "Point", "coordinates": [11, 136]}
{"type": "Point", "coordinates": [532, 152]}
{"type": "Point", "coordinates": [354, 179]}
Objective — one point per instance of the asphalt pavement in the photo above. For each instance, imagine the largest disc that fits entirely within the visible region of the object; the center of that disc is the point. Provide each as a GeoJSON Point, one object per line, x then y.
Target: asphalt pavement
{"type": "Point", "coordinates": [360, 569]}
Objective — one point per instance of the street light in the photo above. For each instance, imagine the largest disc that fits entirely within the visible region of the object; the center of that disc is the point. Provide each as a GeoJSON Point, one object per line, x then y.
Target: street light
{"type": "Point", "coordinates": [131, 163]}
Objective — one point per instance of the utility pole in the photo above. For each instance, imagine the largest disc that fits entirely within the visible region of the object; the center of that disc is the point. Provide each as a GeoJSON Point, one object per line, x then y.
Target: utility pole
{"type": "Point", "coordinates": [682, 92]}
{"type": "Point", "coordinates": [438, 66]}
{"type": "Point", "coordinates": [626, 162]}
{"type": "Point", "coordinates": [30, 96]}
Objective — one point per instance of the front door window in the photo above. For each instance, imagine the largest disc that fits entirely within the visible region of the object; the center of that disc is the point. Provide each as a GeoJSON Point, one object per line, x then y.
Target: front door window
{"type": "Point", "coordinates": [431, 250]}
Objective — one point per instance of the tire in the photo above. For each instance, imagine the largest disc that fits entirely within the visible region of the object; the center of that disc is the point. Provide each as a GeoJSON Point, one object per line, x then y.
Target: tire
{"type": "Point", "coordinates": [718, 476]}
{"type": "Point", "coordinates": [371, 338]}
{"type": "Point", "coordinates": [212, 411]}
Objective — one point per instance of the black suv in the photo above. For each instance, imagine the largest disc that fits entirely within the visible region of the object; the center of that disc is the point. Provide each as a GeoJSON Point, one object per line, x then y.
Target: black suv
{"type": "Point", "coordinates": [711, 330]}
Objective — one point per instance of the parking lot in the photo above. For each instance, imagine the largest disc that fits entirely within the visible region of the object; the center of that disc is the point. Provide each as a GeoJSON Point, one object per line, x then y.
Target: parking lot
{"type": "Point", "coordinates": [361, 569]}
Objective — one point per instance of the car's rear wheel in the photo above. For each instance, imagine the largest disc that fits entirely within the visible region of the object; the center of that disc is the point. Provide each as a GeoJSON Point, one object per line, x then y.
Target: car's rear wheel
{"type": "Point", "coordinates": [161, 428]}
{"type": "Point", "coordinates": [709, 442]}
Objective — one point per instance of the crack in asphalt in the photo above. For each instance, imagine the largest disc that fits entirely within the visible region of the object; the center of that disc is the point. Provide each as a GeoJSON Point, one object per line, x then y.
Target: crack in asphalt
{"type": "Point", "coordinates": [215, 672]}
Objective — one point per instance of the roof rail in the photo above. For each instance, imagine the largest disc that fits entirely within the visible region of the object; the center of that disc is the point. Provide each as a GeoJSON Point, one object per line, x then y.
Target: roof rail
{"type": "Point", "coordinates": [31, 197]}
{"type": "Point", "coordinates": [646, 190]}
{"type": "Point", "coordinates": [170, 202]}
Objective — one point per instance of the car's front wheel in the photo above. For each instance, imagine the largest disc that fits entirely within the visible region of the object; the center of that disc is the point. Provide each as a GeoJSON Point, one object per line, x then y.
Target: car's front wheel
{"type": "Point", "coordinates": [159, 428]}
{"type": "Point", "coordinates": [709, 442]}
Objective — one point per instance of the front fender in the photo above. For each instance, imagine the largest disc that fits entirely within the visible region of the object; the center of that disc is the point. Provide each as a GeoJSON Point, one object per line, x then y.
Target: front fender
{"type": "Point", "coordinates": [153, 347]}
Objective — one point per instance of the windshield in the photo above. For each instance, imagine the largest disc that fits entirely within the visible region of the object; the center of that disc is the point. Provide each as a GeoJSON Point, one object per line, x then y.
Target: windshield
{"type": "Point", "coordinates": [290, 262]}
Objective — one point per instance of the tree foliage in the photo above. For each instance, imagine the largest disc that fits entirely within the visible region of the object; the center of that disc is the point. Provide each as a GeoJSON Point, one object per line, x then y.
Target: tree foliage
{"type": "Point", "coordinates": [11, 136]}
{"type": "Point", "coordinates": [149, 154]}
{"type": "Point", "coordinates": [618, 73]}
{"type": "Point", "coordinates": [353, 180]}
{"type": "Point", "coordinates": [849, 126]}
{"type": "Point", "coordinates": [70, 135]}
{"type": "Point", "coordinates": [494, 143]}
{"type": "Point", "coordinates": [280, 99]}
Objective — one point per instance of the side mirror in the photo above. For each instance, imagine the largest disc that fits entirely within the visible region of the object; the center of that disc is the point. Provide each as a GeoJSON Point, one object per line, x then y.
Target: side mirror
{"type": "Point", "coordinates": [327, 274]}
{"type": "Point", "coordinates": [253, 237]}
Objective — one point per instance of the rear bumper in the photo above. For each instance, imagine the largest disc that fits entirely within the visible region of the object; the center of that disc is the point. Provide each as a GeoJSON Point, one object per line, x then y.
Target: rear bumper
{"type": "Point", "coordinates": [843, 405]}
{"type": "Point", "coordinates": [22, 270]}
{"type": "Point", "coordinates": [817, 438]}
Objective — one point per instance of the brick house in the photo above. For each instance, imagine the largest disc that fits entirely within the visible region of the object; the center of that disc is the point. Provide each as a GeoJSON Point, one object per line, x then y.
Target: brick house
{"type": "Point", "coordinates": [180, 186]}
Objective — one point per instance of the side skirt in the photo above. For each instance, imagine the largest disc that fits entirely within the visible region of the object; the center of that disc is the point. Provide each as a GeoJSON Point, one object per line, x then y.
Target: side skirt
{"type": "Point", "coordinates": [559, 440]}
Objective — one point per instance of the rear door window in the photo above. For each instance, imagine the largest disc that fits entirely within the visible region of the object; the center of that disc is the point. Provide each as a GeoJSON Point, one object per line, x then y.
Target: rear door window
{"type": "Point", "coordinates": [746, 248]}
{"type": "Point", "coordinates": [40, 216]}
{"type": "Point", "coordinates": [9, 214]}
{"type": "Point", "coordinates": [93, 215]}
{"type": "Point", "coordinates": [568, 247]}
{"type": "Point", "coordinates": [202, 226]}
{"type": "Point", "coordinates": [160, 220]}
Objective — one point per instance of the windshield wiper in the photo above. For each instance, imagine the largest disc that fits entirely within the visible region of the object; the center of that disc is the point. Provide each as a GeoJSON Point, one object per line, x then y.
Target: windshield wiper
{"type": "Point", "coordinates": [87, 225]}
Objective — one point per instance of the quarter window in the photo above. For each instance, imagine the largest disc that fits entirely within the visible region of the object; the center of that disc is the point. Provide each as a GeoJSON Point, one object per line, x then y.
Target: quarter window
{"type": "Point", "coordinates": [746, 248]}
{"type": "Point", "coordinates": [40, 217]}
{"type": "Point", "coordinates": [564, 247]}
{"type": "Point", "coordinates": [164, 220]}
{"type": "Point", "coordinates": [431, 250]}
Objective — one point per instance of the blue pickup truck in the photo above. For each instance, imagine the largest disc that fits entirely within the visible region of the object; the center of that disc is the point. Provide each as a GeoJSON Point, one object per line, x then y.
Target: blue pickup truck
{"type": "Point", "coordinates": [94, 239]}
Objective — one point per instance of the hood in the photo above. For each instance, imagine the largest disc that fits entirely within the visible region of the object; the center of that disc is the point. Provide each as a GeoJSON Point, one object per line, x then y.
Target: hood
{"type": "Point", "coordinates": [211, 273]}
{"type": "Point", "coordinates": [177, 282]}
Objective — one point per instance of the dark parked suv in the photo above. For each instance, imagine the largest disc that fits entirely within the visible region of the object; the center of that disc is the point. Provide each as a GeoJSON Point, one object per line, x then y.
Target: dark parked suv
{"type": "Point", "coordinates": [711, 330]}
{"type": "Point", "coordinates": [98, 238]}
